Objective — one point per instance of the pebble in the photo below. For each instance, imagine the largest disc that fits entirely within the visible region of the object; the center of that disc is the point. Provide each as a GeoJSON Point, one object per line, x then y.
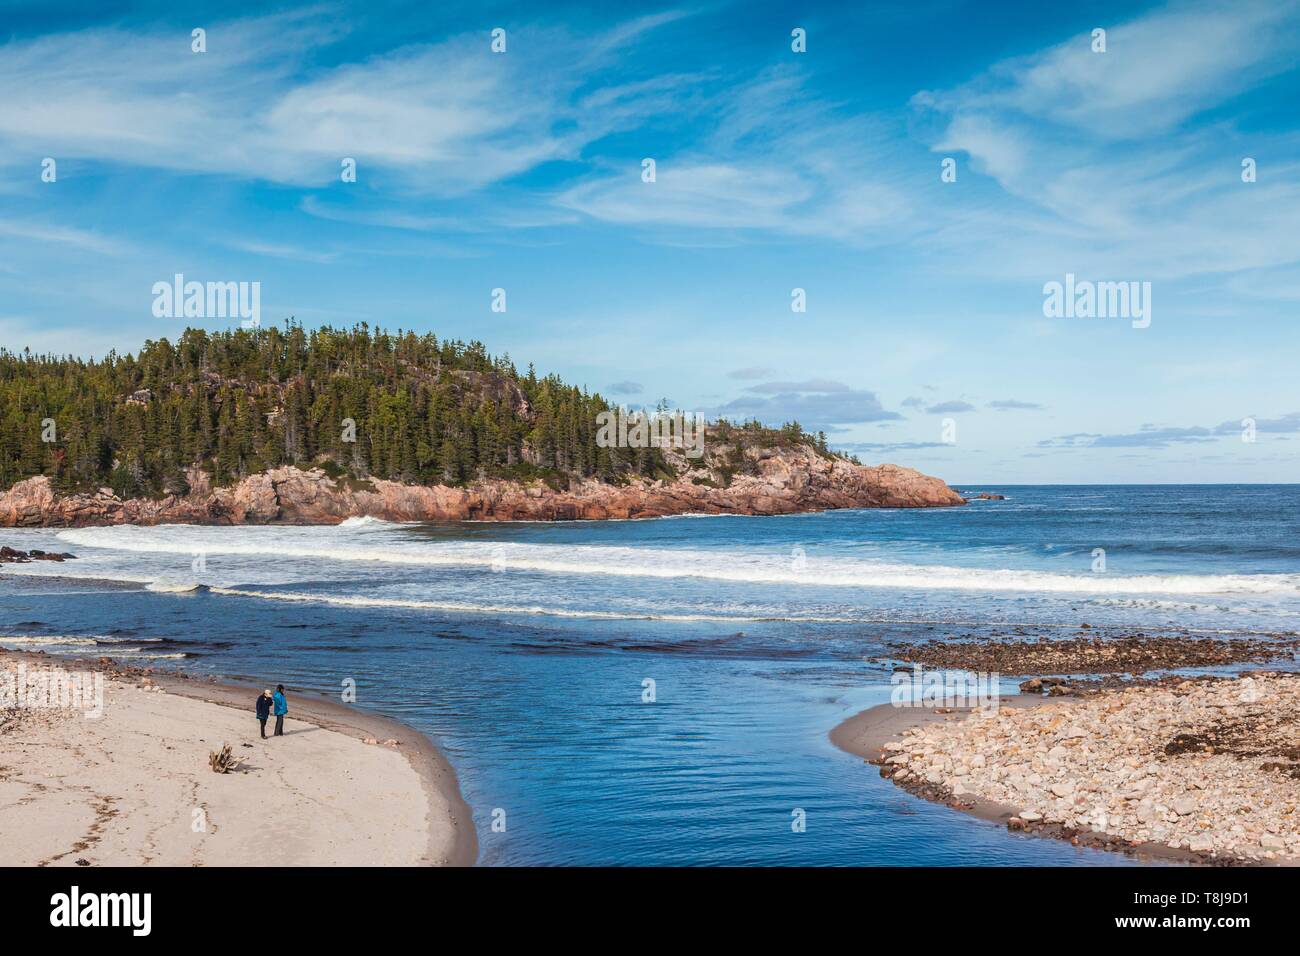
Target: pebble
{"type": "Point", "coordinates": [1148, 764]}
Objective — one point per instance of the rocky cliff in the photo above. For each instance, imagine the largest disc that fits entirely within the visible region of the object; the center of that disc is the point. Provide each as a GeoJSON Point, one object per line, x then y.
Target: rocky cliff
{"type": "Point", "coordinates": [778, 481]}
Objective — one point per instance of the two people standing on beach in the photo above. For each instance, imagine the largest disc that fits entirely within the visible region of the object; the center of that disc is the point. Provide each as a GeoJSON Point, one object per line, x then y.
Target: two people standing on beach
{"type": "Point", "coordinates": [268, 702]}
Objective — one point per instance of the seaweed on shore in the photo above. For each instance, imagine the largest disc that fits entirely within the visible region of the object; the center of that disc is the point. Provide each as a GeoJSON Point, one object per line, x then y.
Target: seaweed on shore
{"type": "Point", "coordinates": [1135, 654]}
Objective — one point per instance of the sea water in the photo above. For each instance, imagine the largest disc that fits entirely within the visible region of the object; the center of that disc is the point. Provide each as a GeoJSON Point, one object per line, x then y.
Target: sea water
{"type": "Point", "coordinates": [659, 692]}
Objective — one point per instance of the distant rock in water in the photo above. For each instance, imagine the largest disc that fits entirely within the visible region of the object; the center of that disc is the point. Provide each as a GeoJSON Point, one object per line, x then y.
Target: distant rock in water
{"type": "Point", "coordinates": [773, 481]}
{"type": "Point", "coordinates": [986, 496]}
{"type": "Point", "coordinates": [14, 556]}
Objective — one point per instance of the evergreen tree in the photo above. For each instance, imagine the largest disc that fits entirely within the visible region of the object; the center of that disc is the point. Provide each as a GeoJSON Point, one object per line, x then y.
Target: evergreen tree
{"type": "Point", "coordinates": [238, 402]}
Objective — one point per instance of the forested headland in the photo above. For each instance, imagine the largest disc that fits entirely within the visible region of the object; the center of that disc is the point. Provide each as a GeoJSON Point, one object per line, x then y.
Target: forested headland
{"type": "Point", "coordinates": [358, 402]}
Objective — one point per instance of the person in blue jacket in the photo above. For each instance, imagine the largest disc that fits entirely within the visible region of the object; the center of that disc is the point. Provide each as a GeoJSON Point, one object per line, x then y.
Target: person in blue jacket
{"type": "Point", "coordinates": [264, 709]}
{"type": "Point", "coordinates": [281, 708]}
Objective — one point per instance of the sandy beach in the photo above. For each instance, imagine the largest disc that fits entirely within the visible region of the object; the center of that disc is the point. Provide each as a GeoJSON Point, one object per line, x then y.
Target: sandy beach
{"type": "Point", "coordinates": [132, 786]}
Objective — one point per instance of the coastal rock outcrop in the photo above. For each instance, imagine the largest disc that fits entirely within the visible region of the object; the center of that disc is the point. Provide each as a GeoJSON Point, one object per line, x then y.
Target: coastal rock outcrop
{"type": "Point", "coordinates": [1205, 767]}
{"type": "Point", "coordinates": [779, 481]}
{"type": "Point", "coordinates": [15, 556]}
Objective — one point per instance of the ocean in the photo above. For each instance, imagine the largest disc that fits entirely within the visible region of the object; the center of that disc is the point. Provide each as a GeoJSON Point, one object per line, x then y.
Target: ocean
{"type": "Point", "coordinates": [530, 651]}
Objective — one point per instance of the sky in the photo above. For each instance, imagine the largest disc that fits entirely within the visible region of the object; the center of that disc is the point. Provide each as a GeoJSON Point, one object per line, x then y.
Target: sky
{"type": "Point", "coordinates": [924, 341]}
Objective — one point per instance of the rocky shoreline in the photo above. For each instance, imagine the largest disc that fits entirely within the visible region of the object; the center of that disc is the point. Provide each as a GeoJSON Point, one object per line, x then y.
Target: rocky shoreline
{"type": "Point", "coordinates": [1134, 758]}
{"type": "Point", "coordinates": [1208, 768]}
{"type": "Point", "coordinates": [1053, 660]}
{"type": "Point", "coordinates": [785, 481]}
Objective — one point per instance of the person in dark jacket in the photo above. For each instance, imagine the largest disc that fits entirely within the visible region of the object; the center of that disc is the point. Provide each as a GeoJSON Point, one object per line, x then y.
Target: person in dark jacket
{"type": "Point", "coordinates": [263, 709]}
{"type": "Point", "coordinates": [281, 707]}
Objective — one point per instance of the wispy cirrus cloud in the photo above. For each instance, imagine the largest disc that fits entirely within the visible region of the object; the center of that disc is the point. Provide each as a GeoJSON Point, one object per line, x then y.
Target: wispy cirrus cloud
{"type": "Point", "coordinates": [277, 250]}
{"type": "Point", "coordinates": [1101, 153]}
{"type": "Point", "coordinates": [440, 118]}
{"type": "Point", "coordinates": [81, 239]}
{"type": "Point", "coordinates": [1158, 70]}
{"type": "Point", "coordinates": [756, 170]}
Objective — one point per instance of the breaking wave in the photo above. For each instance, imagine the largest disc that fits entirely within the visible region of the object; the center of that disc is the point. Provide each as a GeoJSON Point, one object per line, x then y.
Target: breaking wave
{"type": "Point", "coordinates": [340, 600]}
{"type": "Point", "coordinates": [366, 521]}
{"type": "Point", "coordinates": [597, 561]}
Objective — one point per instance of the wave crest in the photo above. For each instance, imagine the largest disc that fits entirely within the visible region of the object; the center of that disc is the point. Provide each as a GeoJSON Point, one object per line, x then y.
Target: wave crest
{"type": "Point", "coordinates": [598, 561]}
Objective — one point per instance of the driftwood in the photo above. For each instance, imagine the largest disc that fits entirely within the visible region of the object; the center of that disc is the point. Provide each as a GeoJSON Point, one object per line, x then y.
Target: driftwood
{"type": "Point", "coordinates": [223, 761]}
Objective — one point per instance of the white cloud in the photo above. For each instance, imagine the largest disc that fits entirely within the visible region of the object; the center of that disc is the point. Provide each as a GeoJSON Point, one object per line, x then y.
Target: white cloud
{"type": "Point", "coordinates": [276, 250]}
{"type": "Point", "coordinates": [1158, 70]}
{"type": "Point", "coordinates": [441, 118]}
{"type": "Point", "coordinates": [815, 403]}
{"type": "Point", "coordinates": [1110, 176]}
{"type": "Point", "coordinates": [82, 239]}
{"type": "Point", "coordinates": [713, 195]}
{"type": "Point", "coordinates": [776, 159]}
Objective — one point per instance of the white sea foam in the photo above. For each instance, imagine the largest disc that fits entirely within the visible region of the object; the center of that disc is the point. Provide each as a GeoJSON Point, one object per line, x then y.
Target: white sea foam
{"type": "Point", "coordinates": [751, 566]}
{"type": "Point", "coordinates": [16, 640]}
{"type": "Point", "coordinates": [132, 652]}
{"type": "Point", "coordinates": [91, 645]}
{"type": "Point", "coordinates": [173, 587]}
{"type": "Point", "coordinates": [339, 600]}
{"type": "Point", "coordinates": [89, 640]}
{"type": "Point", "coordinates": [366, 521]}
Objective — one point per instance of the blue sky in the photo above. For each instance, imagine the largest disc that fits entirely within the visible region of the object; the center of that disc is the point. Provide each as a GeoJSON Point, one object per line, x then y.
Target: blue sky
{"type": "Point", "coordinates": [775, 170]}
